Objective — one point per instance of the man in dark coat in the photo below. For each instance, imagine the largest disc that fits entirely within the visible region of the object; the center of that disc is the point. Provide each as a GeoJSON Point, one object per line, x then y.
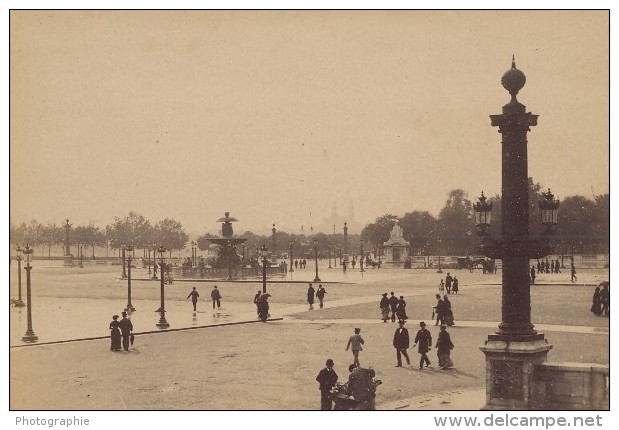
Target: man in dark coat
{"type": "Point", "coordinates": [194, 297]}
{"type": "Point", "coordinates": [327, 379]}
{"type": "Point", "coordinates": [533, 274]}
{"type": "Point", "coordinates": [401, 343]}
{"type": "Point", "coordinates": [216, 296]}
{"type": "Point", "coordinates": [310, 296]}
{"type": "Point", "coordinates": [393, 303]}
{"type": "Point", "coordinates": [257, 301]}
{"type": "Point", "coordinates": [125, 330]}
{"type": "Point", "coordinates": [424, 339]}
{"type": "Point", "coordinates": [440, 309]}
{"type": "Point", "coordinates": [320, 294]}
{"type": "Point", "coordinates": [448, 281]}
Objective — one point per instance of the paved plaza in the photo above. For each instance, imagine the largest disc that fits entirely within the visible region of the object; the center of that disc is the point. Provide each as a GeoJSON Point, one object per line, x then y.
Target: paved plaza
{"type": "Point", "coordinates": [226, 359]}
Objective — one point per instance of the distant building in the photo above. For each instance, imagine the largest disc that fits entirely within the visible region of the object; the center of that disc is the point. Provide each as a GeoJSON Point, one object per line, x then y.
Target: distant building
{"type": "Point", "coordinates": [327, 224]}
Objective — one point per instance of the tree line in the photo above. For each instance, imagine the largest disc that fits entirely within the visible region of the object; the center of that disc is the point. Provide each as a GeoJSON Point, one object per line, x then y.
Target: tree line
{"type": "Point", "coordinates": [584, 228]}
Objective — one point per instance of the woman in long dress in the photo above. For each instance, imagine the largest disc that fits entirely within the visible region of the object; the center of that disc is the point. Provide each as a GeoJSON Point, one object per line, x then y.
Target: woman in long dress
{"type": "Point", "coordinates": [115, 334]}
{"type": "Point", "coordinates": [596, 306]}
{"type": "Point", "coordinates": [443, 349]}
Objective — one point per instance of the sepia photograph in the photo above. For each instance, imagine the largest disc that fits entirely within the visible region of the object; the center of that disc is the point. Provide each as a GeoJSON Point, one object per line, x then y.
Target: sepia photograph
{"type": "Point", "coordinates": [309, 210]}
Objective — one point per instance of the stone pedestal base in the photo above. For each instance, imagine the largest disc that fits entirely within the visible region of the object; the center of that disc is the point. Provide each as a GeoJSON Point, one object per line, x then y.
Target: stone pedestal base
{"type": "Point", "coordinates": [510, 362]}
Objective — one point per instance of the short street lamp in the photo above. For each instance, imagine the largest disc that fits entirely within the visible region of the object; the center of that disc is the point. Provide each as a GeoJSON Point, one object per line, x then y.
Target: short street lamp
{"type": "Point", "coordinates": [316, 279]}
{"type": "Point", "coordinates": [291, 268]}
{"type": "Point", "coordinates": [439, 256]}
{"type": "Point", "coordinates": [193, 254]}
{"type": "Point", "coordinates": [154, 245]}
{"type": "Point", "coordinates": [362, 257]}
{"type": "Point", "coordinates": [19, 302]}
{"type": "Point", "coordinates": [483, 214]}
{"type": "Point", "coordinates": [124, 274]}
{"type": "Point", "coordinates": [29, 337]}
{"type": "Point", "coordinates": [129, 307]}
{"type": "Point", "coordinates": [263, 255]}
{"type": "Point", "coordinates": [329, 251]}
{"type": "Point", "coordinates": [162, 321]}
{"type": "Point", "coordinates": [549, 211]}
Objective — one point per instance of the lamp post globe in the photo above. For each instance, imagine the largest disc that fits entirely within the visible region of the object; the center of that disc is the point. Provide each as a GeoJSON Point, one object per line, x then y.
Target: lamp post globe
{"type": "Point", "coordinates": [162, 324]}
{"type": "Point", "coordinates": [129, 307]}
{"type": "Point", "coordinates": [19, 302]}
{"type": "Point", "coordinates": [263, 255]}
{"type": "Point", "coordinates": [316, 279]}
{"type": "Point", "coordinates": [29, 337]}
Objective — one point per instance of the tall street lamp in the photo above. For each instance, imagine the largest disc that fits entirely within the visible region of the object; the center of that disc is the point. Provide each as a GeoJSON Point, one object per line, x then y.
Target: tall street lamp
{"type": "Point", "coordinates": [361, 258]}
{"type": "Point", "coordinates": [193, 254]}
{"type": "Point", "coordinates": [129, 307]}
{"type": "Point", "coordinates": [79, 247]}
{"type": "Point", "coordinates": [439, 256]}
{"type": "Point", "coordinates": [162, 321]}
{"type": "Point", "coordinates": [19, 302]}
{"type": "Point", "coordinates": [316, 279]}
{"type": "Point", "coordinates": [291, 268]}
{"type": "Point", "coordinates": [340, 253]}
{"type": "Point", "coordinates": [263, 255]}
{"type": "Point", "coordinates": [29, 337]}
{"type": "Point", "coordinates": [516, 348]}
{"type": "Point", "coordinates": [154, 245]}
{"type": "Point", "coordinates": [124, 274]}
{"type": "Point", "coordinates": [329, 251]}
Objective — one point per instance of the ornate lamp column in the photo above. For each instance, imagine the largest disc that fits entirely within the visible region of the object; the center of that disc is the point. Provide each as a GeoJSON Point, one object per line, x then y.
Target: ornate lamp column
{"type": "Point", "coordinates": [19, 302]}
{"type": "Point", "coordinates": [129, 306]}
{"type": "Point", "coordinates": [515, 348]}
{"type": "Point", "coordinates": [154, 278]}
{"type": "Point", "coordinates": [162, 321]}
{"type": "Point", "coordinates": [316, 279]}
{"type": "Point", "coordinates": [263, 255]}
{"type": "Point", "coordinates": [439, 256]}
{"type": "Point", "coordinates": [124, 274]}
{"type": "Point", "coordinates": [361, 257]}
{"type": "Point", "coordinates": [29, 337]}
{"type": "Point", "coordinates": [291, 266]}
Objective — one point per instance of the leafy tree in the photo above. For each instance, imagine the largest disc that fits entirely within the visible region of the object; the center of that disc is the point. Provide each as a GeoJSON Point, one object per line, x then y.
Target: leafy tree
{"type": "Point", "coordinates": [456, 223]}
{"type": "Point", "coordinates": [133, 230]}
{"type": "Point", "coordinates": [377, 232]}
{"type": "Point", "coordinates": [417, 227]}
{"type": "Point", "coordinates": [170, 233]}
{"type": "Point", "coordinates": [51, 235]}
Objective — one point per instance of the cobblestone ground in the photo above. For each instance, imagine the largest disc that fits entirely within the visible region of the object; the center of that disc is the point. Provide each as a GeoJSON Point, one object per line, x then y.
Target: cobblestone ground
{"type": "Point", "coordinates": [268, 366]}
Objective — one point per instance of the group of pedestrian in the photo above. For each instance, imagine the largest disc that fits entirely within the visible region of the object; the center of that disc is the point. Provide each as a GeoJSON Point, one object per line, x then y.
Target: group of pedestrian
{"type": "Point", "coordinates": [442, 311]}
{"type": "Point", "coordinates": [319, 294]}
{"type": "Point", "coordinates": [215, 297]}
{"type": "Point", "coordinates": [601, 300]}
{"type": "Point", "coordinates": [122, 329]}
{"type": "Point", "coordinates": [359, 392]}
{"type": "Point", "coordinates": [450, 286]}
{"type": "Point", "coordinates": [300, 264]}
{"type": "Point", "coordinates": [392, 304]}
{"type": "Point", "coordinates": [548, 266]}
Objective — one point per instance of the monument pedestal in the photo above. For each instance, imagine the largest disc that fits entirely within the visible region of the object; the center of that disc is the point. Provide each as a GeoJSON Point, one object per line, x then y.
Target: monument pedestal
{"type": "Point", "coordinates": [510, 360]}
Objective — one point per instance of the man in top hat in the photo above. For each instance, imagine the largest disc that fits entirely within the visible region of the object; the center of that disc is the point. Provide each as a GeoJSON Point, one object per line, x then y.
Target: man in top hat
{"type": "Point", "coordinates": [125, 330]}
{"type": "Point", "coordinates": [424, 339]}
{"type": "Point", "coordinates": [401, 343]}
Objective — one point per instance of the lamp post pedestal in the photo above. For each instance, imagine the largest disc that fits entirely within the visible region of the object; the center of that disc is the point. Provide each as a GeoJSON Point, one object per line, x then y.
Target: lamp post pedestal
{"type": "Point", "coordinates": [162, 324]}
{"type": "Point", "coordinates": [316, 279]}
{"type": "Point", "coordinates": [29, 337]}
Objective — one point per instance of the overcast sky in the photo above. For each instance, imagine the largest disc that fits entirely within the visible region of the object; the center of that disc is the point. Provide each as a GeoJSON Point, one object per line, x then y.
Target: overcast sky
{"type": "Point", "coordinates": [273, 115]}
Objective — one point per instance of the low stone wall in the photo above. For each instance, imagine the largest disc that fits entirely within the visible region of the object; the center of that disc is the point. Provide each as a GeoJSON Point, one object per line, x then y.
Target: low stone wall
{"type": "Point", "coordinates": [575, 386]}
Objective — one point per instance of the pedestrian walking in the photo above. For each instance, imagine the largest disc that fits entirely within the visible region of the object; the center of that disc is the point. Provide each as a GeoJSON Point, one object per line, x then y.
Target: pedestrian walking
{"type": "Point", "coordinates": [448, 281]}
{"type": "Point", "coordinates": [126, 328]}
{"type": "Point", "coordinates": [424, 339]}
{"type": "Point", "coordinates": [320, 294]}
{"type": "Point", "coordinates": [194, 297]}
{"type": "Point", "coordinates": [443, 349]}
{"type": "Point", "coordinates": [310, 296]}
{"type": "Point", "coordinates": [547, 266]}
{"type": "Point", "coordinates": [573, 272]}
{"type": "Point", "coordinates": [393, 304]}
{"type": "Point", "coordinates": [449, 315]}
{"type": "Point", "coordinates": [354, 263]}
{"type": "Point", "coordinates": [354, 343]}
{"type": "Point", "coordinates": [296, 264]}
{"type": "Point", "coordinates": [439, 310]}
{"type": "Point", "coordinates": [539, 267]}
{"type": "Point", "coordinates": [401, 311]}
{"type": "Point", "coordinates": [384, 307]}
{"type": "Point", "coordinates": [605, 300]}
{"type": "Point", "coordinates": [557, 266]}
{"type": "Point", "coordinates": [401, 343]}
{"type": "Point", "coordinates": [257, 301]}
{"type": "Point", "coordinates": [454, 286]}
{"type": "Point", "coordinates": [362, 386]}
{"type": "Point", "coordinates": [115, 334]}
{"type": "Point", "coordinates": [532, 272]}
{"type": "Point", "coordinates": [216, 296]}
{"type": "Point", "coordinates": [327, 378]}
{"type": "Point", "coordinates": [596, 306]}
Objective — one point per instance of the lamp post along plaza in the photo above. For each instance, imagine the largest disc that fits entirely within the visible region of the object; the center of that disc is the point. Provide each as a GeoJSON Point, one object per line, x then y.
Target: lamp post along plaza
{"type": "Point", "coordinates": [263, 255]}
{"type": "Point", "coordinates": [329, 251]}
{"type": "Point", "coordinates": [29, 337]}
{"type": "Point", "coordinates": [515, 348]}
{"type": "Point", "coordinates": [316, 279]}
{"type": "Point", "coordinates": [124, 274]}
{"type": "Point", "coordinates": [19, 302]}
{"type": "Point", "coordinates": [162, 321]}
{"type": "Point", "coordinates": [129, 307]}
{"type": "Point", "coordinates": [361, 257]}
{"type": "Point", "coordinates": [291, 265]}
{"type": "Point", "coordinates": [154, 278]}
{"type": "Point", "coordinates": [440, 270]}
